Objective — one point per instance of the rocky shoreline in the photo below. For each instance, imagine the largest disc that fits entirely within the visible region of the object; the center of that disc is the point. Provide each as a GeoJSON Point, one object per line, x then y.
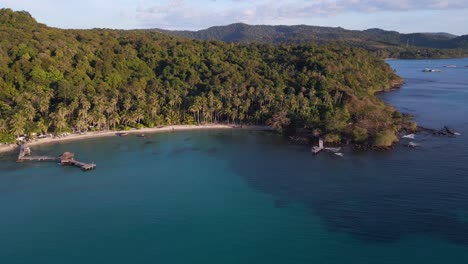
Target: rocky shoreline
{"type": "Point", "coordinates": [313, 141]}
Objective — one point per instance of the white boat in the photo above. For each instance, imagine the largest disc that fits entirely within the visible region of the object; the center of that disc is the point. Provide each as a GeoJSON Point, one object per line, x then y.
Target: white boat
{"type": "Point", "coordinates": [315, 150]}
{"type": "Point", "coordinates": [457, 134]}
{"type": "Point", "coordinates": [339, 154]}
{"type": "Point", "coordinates": [334, 150]}
{"type": "Point", "coordinates": [431, 70]}
{"type": "Point", "coordinates": [411, 136]}
{"type": "Point", "coordinates": [414, 145]}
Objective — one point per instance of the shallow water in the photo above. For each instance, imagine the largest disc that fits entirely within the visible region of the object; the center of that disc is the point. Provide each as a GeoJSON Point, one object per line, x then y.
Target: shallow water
{"type": "Point", "coordinates": [243, 196]}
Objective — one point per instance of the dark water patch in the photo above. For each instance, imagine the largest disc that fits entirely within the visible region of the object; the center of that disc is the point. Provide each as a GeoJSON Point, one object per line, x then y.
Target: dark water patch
{"type": "Point", "coordinates": [9, 168]}
{"type": "Point", "coordinates": [183, 150]}
{"type": "Point", "coordinates": [224, 135]}
{"type": "Point", "coordinates": [281, 203]}
{"type": "Point", "coordinates": [407, 109]}
{"type": "Point", "coordinates": [179, 151]}
{"type": "Point", "coordinates": [415, 81]}
{"type": "Point", "coordinates": [187, 138]}
{"type": "Point", "coordinates": [7, 156]}
{"type": "Point", "coordinates": [212, 150]}
{"type": "Point", "coordinates": [373, 198]}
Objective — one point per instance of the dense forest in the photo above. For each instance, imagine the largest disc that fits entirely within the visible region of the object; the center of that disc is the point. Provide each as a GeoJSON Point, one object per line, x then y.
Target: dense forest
{"type": "Point", "coordinates": [54, 80]}
{"type": "Point", "coordinates": [382, 43]}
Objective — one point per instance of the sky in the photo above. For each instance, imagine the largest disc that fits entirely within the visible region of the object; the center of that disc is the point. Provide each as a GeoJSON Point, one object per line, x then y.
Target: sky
{"type": "Point", "coordinates": [405, 16]}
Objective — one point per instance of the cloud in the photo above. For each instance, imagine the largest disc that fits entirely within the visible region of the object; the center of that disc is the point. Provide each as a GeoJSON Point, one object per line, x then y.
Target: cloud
{"type": "Point", "coordinates": [402, 5]}
{"type": "Point", "coordinates": [181, 14]}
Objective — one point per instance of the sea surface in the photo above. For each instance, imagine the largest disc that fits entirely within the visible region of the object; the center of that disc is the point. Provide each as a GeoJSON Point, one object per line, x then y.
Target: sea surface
{"type": "Point", "coordinates": [226, 196]}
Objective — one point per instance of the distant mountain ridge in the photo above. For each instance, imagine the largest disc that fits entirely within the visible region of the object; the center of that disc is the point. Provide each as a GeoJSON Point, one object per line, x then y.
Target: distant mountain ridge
{"type": "Point", "coordinates": [376, 40]}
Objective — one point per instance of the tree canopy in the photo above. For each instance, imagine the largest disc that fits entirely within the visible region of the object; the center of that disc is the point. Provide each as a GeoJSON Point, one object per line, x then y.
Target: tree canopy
{"type": "Point", "coordinates": [382, 43]}
{"type": "Point", "coordinates": [61, 80]}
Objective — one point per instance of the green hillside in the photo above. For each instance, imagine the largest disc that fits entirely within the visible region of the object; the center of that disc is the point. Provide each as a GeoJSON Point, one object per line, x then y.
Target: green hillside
{"type": "Point", "coordinates": [383, 43]}
{"type": "Point", "coordinates": [54, 80]}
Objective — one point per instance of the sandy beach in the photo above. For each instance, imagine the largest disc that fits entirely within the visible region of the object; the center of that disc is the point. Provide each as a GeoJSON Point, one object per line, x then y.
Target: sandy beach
{"type": "Point", "coordinates": [98, 134]}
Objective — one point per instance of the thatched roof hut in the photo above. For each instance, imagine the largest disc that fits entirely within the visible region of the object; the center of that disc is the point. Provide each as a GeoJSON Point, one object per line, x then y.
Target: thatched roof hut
{"type": "Point", "coordinates": [67, 157]}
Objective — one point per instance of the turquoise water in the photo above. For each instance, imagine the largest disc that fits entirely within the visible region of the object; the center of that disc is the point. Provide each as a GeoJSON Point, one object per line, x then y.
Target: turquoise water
{"type": "Point", "coordinates": [250, 197]}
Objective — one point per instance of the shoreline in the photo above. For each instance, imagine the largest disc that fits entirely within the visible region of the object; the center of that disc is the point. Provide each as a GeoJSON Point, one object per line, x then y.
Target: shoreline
{"type": "Point", "coordinates": [110, 133]}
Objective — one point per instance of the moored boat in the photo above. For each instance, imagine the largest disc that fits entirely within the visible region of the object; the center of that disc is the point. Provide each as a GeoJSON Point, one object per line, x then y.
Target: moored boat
{"type": "Point", "coordinates": [431, 70]}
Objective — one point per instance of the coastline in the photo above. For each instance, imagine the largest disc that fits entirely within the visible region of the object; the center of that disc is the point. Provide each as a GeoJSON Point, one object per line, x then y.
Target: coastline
{"type": "Point", "coordinates": [110, 133]}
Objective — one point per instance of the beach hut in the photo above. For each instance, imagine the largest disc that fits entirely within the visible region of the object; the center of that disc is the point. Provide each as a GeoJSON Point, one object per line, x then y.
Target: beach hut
{"type": "Point", "coordinates": [67, 158]}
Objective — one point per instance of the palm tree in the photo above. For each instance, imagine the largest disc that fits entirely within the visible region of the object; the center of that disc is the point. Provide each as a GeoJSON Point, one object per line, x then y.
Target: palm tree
{"type": "Point", "coordinates": [43, 105]}
{"type": "Point", "coordinates": [59, 118]}
{"type": "Point", "coordinates": [17, 124]}
{"type": "Point", "coordinates": [279, 121]}
{"type": "Point", "coordinates": [152, 106]}
{"type": "Point", "coordinates": [114, 119]}
{"type": "Point", "coordinates": [128, 118]}
{"type": "Point", "coordinates": [28, 111]}
{"type": "Point", "coordinates": [43, 125]}
{"type": "Point", "coordinates": [195, 110]}
{"type": "Point", "coordinates": [111, 108]}
{"type": "Point", "coordinates": [3, 126]}
{"type": "Point", "coordinates": [139, 114]}
{"type": "Point", "coordinates": [97, 118]}
{"type": "Point", "coordinates": [85, 104]}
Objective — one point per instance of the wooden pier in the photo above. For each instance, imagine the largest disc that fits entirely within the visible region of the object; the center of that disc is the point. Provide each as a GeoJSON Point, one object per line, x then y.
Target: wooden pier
{"type": "Point", "coordinates": [84, 166]}
{"type": "Point", "coordinates": [25, 155]}
{"type": "Point", "coordinates": [38, 158]}
{"type": "Point", "coordinates": [66, 158]}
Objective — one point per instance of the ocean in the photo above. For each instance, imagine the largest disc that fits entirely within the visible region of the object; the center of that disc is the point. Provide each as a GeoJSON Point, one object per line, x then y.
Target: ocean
{"type": "Point", "coordinates": [230, 196]}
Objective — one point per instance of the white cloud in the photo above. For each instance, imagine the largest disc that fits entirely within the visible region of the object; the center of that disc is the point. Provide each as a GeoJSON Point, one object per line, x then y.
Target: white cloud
{"type": "Point", "coordinates": [196, 14]}
{"type": "Point", "coordinates": [180, 14]}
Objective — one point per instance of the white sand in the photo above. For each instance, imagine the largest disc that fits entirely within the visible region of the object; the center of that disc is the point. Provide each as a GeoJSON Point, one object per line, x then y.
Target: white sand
{"type": "Point", "coordinates": [97, 134]}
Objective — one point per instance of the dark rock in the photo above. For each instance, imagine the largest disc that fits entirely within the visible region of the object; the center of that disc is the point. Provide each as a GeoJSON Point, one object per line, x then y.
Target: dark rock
{"type": "Point", "coordinates": [445, 131]}
{"type": "Point", "coordinates": [449, 131]}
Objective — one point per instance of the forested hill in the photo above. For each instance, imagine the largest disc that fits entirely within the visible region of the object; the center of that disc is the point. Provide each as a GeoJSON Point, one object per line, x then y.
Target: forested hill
{"type": "Point", "coordinates": [381, 42]}
{"type": "Point", "coordinates": [62, 80]}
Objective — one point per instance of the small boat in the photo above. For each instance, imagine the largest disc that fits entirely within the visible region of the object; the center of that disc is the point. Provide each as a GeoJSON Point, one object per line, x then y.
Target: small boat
{"type": "Point", "coordinates": [431, 70]}
{"type": "Point", "coordinates": [334, 150]}
{"type": "Point", "coordinates": [122, 134]}
{"type": "Point", "coordinates": [141, 135]}
{"type": "Point", "coordinates": [450, 66]}
{"type": "Point", "coordinates": [339, 154]}
{"type": "Point", "coordinates": [411, 136]}
{"type": "Point", "coordinates": [457, 134]}
{"type": "Point", "coordinates": [413, 145]}
{"type": "Point", "coordinates": [315, 150]}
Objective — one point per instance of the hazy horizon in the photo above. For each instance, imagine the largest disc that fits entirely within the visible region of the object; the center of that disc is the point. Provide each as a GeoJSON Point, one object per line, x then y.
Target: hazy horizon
{"type": "Point", "coordinates": [405, 16]}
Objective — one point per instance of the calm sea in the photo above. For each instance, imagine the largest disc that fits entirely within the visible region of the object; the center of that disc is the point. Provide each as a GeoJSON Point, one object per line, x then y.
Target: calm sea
{"type": "Point", "coordinates": [250, 197]}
